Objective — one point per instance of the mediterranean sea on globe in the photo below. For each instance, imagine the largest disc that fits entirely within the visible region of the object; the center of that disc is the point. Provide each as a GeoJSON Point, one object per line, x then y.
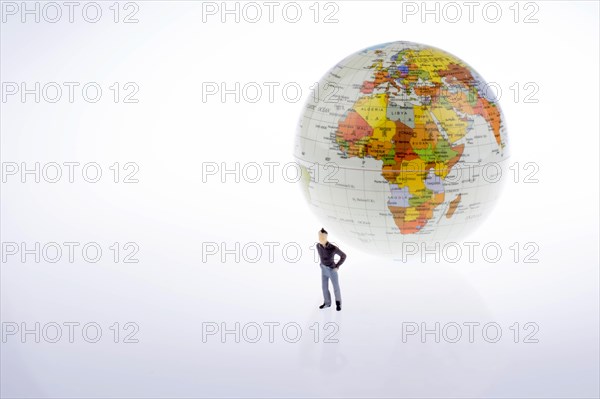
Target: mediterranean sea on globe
{"type": "Point", "coordinates": [401, 143]}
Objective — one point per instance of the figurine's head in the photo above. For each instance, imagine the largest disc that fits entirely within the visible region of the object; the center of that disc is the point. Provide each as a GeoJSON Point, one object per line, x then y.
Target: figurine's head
{"type": "Point", "coordinates": [322, 236]}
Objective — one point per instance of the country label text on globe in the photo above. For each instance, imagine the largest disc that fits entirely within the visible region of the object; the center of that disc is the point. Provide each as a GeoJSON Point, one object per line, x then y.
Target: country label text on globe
{"type": "Point", "coordinates": [401, 142]}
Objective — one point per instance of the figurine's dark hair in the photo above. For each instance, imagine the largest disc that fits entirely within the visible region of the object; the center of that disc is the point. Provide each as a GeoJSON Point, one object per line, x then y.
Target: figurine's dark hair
{"type": "Point", "coordinates": [323, 231]}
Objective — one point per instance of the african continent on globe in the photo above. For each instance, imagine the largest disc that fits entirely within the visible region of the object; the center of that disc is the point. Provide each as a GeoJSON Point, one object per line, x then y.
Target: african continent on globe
{"type": "Point", "coordinates": [401, 142]}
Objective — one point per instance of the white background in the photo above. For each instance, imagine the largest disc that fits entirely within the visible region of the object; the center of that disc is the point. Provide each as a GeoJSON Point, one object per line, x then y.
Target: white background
{"type": "Point", "coordinates": [171, 292]}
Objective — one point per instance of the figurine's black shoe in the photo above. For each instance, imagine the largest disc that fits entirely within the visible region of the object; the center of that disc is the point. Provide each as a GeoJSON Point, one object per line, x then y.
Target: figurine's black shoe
{"type": "Point", "coordinates": [338, 305]}
{"type": "Point", "coordinates": [324, 306]}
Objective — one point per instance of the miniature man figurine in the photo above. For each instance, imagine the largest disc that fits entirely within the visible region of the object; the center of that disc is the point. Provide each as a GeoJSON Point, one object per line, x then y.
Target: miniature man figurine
{"type": "Point", "coordinates": [329, 269]}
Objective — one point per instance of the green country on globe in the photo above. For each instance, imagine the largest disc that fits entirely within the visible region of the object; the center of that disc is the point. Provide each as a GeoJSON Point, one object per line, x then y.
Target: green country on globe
{"type": "Point", "coordinates": [401, 142]}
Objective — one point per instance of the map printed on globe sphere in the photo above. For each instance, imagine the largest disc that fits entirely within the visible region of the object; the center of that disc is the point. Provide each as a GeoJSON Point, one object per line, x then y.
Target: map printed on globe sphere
{"type": "Point", "coordinates": [401, 143]}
